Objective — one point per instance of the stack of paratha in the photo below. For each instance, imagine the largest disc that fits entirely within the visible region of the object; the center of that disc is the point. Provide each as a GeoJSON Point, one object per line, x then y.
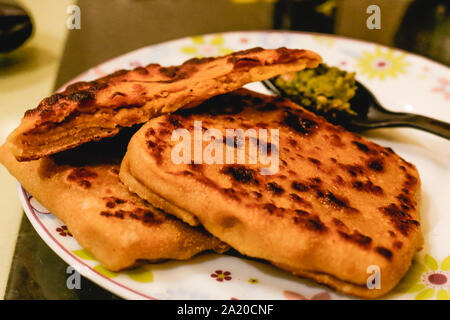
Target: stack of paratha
{"type": "Point", "coordinates": [314, 199]}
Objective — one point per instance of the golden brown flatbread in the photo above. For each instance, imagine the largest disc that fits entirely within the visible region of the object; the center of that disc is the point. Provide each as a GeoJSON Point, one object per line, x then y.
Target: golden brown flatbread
{"type": "Point", "coordinates": [337, 205]}
{"type": "Point", "coordinates": [88, 111]}
{"type": "Point", "coordinates": [82, 188]}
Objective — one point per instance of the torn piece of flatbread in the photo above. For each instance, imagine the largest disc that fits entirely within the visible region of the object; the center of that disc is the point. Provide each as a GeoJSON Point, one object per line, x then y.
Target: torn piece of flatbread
{"type": "Point", "coordinates": [88, 111]}
{"type": "Point", "coordinates": [336, 208]}
{"type": "Point", "coordinates": [82, 188]}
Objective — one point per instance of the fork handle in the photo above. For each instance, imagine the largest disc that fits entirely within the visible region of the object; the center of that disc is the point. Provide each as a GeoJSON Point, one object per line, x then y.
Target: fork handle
{"type": "Point", "coordinates": [438, 127]}
{"type": "Point", "coordinates": [431, 125]}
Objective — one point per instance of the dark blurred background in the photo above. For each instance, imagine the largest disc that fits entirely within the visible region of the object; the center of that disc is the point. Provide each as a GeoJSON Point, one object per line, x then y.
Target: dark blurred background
{"type": "Point", "coordinates": [420, 26]}
{"type": "Point", "coordinates": [113, 27]}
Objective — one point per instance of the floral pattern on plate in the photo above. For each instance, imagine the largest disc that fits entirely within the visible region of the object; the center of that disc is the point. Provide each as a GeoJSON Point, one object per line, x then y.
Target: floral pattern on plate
{"type": "Point", "coordinates": [382, 63]}
{"type": "Point", "coordinates": [428, 280]}
{"type": "Point", "coordinates": [390, 74]}
{"type": "Point", "coordinates": [202, 46]}
{"type": "Point", "coordinates": [443, 88]}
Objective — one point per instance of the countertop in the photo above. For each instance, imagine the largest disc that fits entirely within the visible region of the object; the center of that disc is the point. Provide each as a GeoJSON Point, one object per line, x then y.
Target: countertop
{"type": "Point", "coordinates": [26, 76]}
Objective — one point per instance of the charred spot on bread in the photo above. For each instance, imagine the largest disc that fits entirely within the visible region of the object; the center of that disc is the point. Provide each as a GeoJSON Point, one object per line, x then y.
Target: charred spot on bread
{"type": "Point", "coordinates": [241, 174]}
{"type": "Point", "coordinates": [312, 223]}
{"type": "Point", "coordinates": [376, 164]}
{"type": "Point", "coordinates": [361, 146]}
{"type": "Point", "coordinates": [301, 125]}
{"type": "Point", "coordinates": [386, 253]}
{"type": "Point", "coordinates": [143, 215]}
{"type": "Point", "coordinates": [275, 188]}
{"type": "Point", "coordinates": [337, 202]}
{"type": "Point", "coordinates": [83, 177]}
{"type": "Point", "coordinates": [357, 238]}
{"type": "Point", "coordinates": [401, 220]}
{"type": "Point", "coordinates": [367, 186]}
{"type": "Point", "coordinates": [299, 186]}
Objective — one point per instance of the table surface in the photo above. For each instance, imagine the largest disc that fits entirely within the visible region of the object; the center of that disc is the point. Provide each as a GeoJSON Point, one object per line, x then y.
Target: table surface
{"type": "Point", "coordinates": [26, 76]}
{"type": "Point", "coordinates": [110, 28]}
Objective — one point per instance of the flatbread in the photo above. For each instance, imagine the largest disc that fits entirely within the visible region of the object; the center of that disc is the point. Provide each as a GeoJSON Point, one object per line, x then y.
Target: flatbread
{"type": "Point", "coordinates": [82, 188]}
{"type": "Point", "coordinates": [338, 205]}
{"type": "Point", "coordinates": [88, 111]}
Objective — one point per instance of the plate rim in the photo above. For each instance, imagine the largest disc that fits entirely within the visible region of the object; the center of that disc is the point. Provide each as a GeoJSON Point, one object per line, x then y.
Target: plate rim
{"type": "Point", "coordinates": [310, 33]}
{"type": "Point", "coordinates": [111, 285]}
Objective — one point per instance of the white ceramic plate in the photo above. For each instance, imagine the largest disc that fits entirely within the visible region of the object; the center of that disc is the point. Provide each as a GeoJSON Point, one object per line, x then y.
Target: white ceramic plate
{"type": "Point", "coordinates": [401, 81]}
